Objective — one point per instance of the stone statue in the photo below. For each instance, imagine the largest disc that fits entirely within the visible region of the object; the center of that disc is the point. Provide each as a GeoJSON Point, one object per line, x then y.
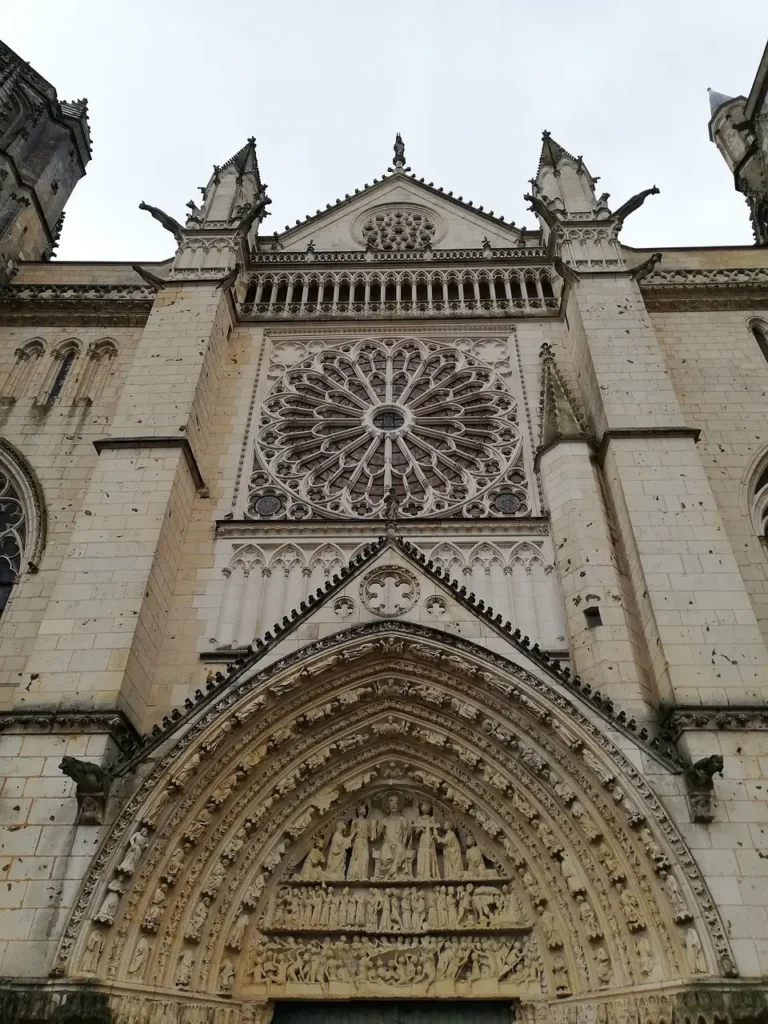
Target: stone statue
{"type": "Point", "coordinates": [226, 975]}
{"type": "Point", "coordinates": [237, 931]}
{"type": "Point", "coordinates": [532, 888]}
{"type": "Point", "coordinates": [93, 950]}
{"type": "Point", "coordinates": [215, 879]}
{"type": "Point", "coordinates": [108, 909]}
{"type": "Point", "coordinates": [189, 766]}
{"type": "Point", "coordinates": [312, 867]}
{"type": "Point", "coordinates": [336, 862]}
{"type": "Point", "coordinates": [697, 962]}
{"type": "Point", "coordinates": [155, 911]}
{"type": "Point", "coordinates": [606, 777]}
{"type": "Point", "coordinates": [194, 832]}
{"type": "Point", "coordinates": [136, 846]}
{"type": "Point", "coordinates": [604, 968]}
{"type": "Point", "coordinates": [631, 909]}
{"type": "Point", "coordinates": [453, 859]}
{"type": "Point", "coordinates": [175, 864]}
{"type": "Point", "coordinates": [611, 865]}
{"type": "Point", "coordinates": [399, 148]}
{"type": "Point", "coordinates": [426, 853]}
{"type": "Point", "coordinates": [363, 830]}
{"type": "Point", "coordinates": [677, 900]}
{"type": "Point", "coordinates": [549, 929]}
{"type": "Point", "coordinates": [393, 858]}
{"type": "Point", "coordinates": [139, 958]}
{"type": "Point", "coordinates": [184, 966]}
{"type": "Point", "coordinates": [570, 873]}
{"type": "Point", "coordinates": [645, 956]}
{"type": "Point", "coordinates": [587, 915]}
{"type": "Point", "coordinates": [652, 848]}
{"type": "Point", "coordinates": [197, 921]}
{"type": "Point", "coordinates": [476, 867]}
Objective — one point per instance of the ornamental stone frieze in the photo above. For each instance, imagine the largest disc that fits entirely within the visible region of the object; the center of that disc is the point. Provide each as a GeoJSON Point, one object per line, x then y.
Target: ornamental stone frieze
{"type": "Point", "coordinates": [353, 825]}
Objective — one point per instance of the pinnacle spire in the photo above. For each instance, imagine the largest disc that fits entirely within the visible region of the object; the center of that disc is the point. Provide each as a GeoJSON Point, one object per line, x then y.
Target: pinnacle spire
{"type": "Point", "coordinates": [716, 100]}
{"type": "Point", "coordinates": [552, 152]}
{"type": "Point", "coordinates": [559, 418]}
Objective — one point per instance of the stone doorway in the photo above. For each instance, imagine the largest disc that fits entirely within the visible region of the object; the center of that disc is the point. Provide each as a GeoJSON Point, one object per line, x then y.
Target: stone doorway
{"type": "Point", "coordinates": [394, 1012]}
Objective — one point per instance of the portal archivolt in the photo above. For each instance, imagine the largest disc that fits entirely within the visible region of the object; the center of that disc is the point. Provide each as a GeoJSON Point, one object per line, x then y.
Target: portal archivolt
{"type": "Point", "coordinates": [394, 815]}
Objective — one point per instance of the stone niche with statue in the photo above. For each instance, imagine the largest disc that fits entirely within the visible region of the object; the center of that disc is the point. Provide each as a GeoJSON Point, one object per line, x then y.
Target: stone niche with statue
{"type": "Point", "coordinates": [396, 897]}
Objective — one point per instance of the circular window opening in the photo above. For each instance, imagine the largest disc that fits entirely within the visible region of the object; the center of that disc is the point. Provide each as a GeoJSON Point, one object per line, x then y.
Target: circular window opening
{"type": "Point", "coordinates": [388, 419]}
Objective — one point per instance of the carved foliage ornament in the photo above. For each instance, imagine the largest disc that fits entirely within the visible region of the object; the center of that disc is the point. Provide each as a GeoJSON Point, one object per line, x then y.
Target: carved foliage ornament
{"type": "Point", "coordinates": [349, 823]}
{"type": "Point", "coordinates": [344, 427]}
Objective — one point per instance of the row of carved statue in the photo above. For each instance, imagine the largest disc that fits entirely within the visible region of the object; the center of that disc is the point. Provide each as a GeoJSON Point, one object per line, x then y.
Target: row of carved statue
{"type": "Point", "coordinates": [397, 910]}
{"type": "Point", "coordinates": [350, 850]}
{"type": "Point", "coordinates": [363, 965]}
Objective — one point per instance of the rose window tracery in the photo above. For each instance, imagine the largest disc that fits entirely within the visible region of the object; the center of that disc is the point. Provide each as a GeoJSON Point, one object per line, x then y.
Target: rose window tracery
{"type": "Point", "coordinates": [13, 531]}
{"type": "Point", "coordinates": [399, 230]}
{"type": "Point", "coordinates": [402, 427]}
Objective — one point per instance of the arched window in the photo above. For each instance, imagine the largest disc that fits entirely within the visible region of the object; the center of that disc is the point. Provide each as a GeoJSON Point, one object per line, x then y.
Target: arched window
{"type": "Point", "coordinates": [61, 364]}
{"type": "Point", "coordinates": [22, 520]}
{"type": "Point", "coordinates": [758, 500]}
{"type": "Point", "coordinates": [24, 370]}
{"type": "Point", "coordinates": [760, 332]}
{"type": "Point", "coordinates": [100, 357]}
{"type": "Point", "coordinates": [62, 374]}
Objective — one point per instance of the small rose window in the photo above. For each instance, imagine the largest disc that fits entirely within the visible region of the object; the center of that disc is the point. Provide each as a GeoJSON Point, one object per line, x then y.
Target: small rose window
{"type": "Point", "coordinates": [399, 230]}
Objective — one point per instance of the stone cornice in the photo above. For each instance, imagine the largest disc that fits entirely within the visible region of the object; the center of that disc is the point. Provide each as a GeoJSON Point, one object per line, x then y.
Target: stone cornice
{"type": "Point", "coordinates": [74, 720]}
{"type": "Point", "coordinates": [88, 305]}
{"type": "Point", "coordinates": [713, 718]}
{"type": "Point", "coordinates": [702, 290]}
{"type": "Point", "coordinates": [104, 443]}
{"type": "Point", "coordinates": [248, 529]}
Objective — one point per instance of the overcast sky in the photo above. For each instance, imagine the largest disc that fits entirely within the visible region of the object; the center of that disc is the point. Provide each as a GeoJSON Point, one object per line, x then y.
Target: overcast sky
{"type": "Point", "coordinates": [175, 86]}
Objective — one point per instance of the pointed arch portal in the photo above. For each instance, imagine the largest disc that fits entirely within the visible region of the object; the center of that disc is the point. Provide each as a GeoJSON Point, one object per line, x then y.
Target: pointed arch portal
{"type": "Point", "coordinates": [392, 813]}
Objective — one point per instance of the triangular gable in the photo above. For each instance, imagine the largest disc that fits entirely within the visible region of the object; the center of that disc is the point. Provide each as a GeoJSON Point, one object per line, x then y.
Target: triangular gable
{"type": "Point", "coordinates": [459, 223]}
{"type": "Point", "coordinates": [462, 617]}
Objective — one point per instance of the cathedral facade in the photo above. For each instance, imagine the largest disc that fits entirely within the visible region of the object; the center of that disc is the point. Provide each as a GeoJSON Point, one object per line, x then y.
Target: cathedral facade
{"type": "Point", "coordinates": [384, 602]}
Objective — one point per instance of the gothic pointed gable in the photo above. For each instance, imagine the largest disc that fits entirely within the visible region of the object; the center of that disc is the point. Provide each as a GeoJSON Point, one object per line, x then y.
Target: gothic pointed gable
{"type": "Point", "coordinates": [560, 420]}
{"type": "Point", "coordinates": [394, 212]}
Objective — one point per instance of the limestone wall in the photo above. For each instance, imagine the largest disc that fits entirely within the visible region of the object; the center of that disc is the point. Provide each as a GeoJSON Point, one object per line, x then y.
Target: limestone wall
{"type": "Point", "coordinates": [721, 380]}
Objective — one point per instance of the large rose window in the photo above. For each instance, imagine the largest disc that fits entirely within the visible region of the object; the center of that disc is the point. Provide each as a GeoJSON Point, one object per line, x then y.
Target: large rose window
{"type": "Point", "coordinates": [344, 428]}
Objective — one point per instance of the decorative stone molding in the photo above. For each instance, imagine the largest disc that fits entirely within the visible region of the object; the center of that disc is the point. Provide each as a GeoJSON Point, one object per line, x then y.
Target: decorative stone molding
{"type": "Point", "coordinates": [236, 807]}
{"type": "Point", "coordinates": [722, 288]}
{"type": "Point", "coordinates": [82, 721]}
{"type": "Point", "coordinates": [76, 305]}
{"type": "Point", "coordinates": [714, 717]}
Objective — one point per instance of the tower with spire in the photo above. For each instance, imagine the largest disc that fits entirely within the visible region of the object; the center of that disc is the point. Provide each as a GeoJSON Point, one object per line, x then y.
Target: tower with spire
{"type": "Point", "coordinates": [738, 125]}
{"type": "Point", "coordinates": [45, 145]}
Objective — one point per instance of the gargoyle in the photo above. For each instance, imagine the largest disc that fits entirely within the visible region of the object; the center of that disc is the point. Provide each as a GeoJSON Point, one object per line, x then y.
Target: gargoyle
{"type": "Point", "coordinates": [92, 782]}
{"type": "Point", "coordinates": [154, 282]}
{"type": "Point", "coordinates": [643, 269]}
{"type": "Point", "coordinates": [168, 222]}
{"type": "Point", "coordinates": [542, 209]}
{"type": "Point", "coordinates": [229, 279]}
{"type": "Point", "coordinates": [699, 781]}
{"type": "Point", "coordinates": [631, 205]}
{"type": "Point", "coordinates": [250, 215]}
